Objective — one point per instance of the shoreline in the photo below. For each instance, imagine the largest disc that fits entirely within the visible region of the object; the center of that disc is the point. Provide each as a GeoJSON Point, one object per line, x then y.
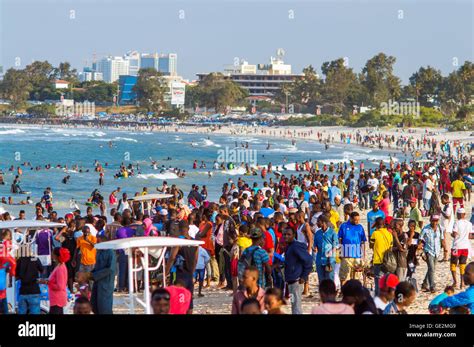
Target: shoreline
{"type": "Point", "coordinates": [269, 132]}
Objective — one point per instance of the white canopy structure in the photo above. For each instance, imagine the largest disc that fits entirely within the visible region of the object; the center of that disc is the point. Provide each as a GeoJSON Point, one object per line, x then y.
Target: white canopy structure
{"type": "Point", "coordinates": [23, 225]}
{"type": "Point", "coordinates": [149, 245]}
{"type": "Point", "coordinates": [150, 197]}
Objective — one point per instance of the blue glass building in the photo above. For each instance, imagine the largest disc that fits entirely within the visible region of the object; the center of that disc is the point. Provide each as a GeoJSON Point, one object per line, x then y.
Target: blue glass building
{"type": "Point", "coordinates": [127, 95]}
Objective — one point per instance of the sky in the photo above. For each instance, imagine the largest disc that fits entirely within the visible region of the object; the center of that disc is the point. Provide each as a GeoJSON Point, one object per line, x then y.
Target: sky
{"type": "Point", "coordinates": [208, 34]}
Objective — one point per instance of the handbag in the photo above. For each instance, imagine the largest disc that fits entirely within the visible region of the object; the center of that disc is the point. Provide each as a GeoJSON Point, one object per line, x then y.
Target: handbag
{"type": "Point", "coordinates": [46, 259]}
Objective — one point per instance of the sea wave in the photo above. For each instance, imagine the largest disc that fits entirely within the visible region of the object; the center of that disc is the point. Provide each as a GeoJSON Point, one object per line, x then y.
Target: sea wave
{"type": "Point", "coordinates": [12, 132]}
{"type": "Point", "coordinates": [162, 176]}
{"type": "Point", "coordinates": [236, 171]}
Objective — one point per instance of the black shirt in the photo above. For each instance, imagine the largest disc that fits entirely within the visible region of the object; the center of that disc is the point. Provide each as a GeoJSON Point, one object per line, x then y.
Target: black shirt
{"type": "Point", "coordinates": [27, 271]}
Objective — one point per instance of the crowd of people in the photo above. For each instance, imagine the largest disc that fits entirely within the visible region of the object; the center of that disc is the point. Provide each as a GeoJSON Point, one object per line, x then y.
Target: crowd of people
{"type": "Point", "coordinates": [263, 241]}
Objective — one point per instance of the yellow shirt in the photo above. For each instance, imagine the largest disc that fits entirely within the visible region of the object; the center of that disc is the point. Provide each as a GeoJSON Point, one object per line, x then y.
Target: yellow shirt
{"type": "Point", "coordinates": [458, 186]}
{"type": "Point", "coordinates": [243, 242]}
{"type": "Point", "coordinates": [383, 241]}
{"type": "Point", "coordinates": [334, 219]}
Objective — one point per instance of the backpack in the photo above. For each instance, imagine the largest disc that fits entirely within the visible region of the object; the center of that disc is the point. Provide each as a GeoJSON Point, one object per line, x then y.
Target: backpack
{"type": "Point", "coordinates": [247, 259]}
{"type": "Point", "coordinates": [389, 262]}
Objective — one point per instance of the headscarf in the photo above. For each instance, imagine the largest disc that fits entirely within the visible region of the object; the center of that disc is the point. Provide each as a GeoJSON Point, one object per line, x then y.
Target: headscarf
{"type": "Point", "coordinates": [149, 227]}
{"type": "Point", "coordinates": [64, 255]}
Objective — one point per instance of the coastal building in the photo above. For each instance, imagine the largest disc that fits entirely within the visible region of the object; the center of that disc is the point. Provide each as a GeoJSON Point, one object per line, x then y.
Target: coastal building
{"type": "Point", "coordinates": [262, 80]}
{"type": "Point", "coordinates": [112, 68]}
{"type": "Point", "coordinates": [168, 64]}
{"type": "Point", "coordinates": [61, 84]}
{"type": "Point", "coordinates": [149, 61]}
{"type": "Point", "coordinates": [133, 58]}
{"type": "Point", "coordinates": [127, 95]}
{"type": "Point", "coordinates": [88, 74]}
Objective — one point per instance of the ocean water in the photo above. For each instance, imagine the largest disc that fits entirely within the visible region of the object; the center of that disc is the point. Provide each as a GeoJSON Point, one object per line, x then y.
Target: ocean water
{"type": "Point", "coordinates": [41, 146]}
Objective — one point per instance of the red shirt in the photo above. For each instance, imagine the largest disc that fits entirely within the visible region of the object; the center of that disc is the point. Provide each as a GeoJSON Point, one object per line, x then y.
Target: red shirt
{"type": "Point", "coordinates": [180, 299]}
{"type": "Point", "coordinates": [268, 245]}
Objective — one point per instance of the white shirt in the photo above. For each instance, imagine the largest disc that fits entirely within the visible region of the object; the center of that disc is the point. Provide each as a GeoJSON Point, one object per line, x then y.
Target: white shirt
{"type": "Point", "coordinates": [193, 230]}
{"type": "Point", "coordinates": [379, 303]}
{"type": "Point", "coordinates": [373, 182]}
{"type": "Point", "coordinates": [462, 228]}
{"type": "Point", "coordinates": [427, 185]}
{"type": "Point", "coordinates": [447, 223]}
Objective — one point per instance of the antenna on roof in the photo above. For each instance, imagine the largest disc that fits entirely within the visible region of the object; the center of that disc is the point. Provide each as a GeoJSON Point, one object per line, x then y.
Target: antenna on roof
{"type": "Point", "coordinates": [280, 53]}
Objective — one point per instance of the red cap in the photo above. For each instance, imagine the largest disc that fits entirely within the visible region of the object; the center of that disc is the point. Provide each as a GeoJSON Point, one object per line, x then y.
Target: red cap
{"type": "Point", "coordinates": [388, 281]}
{"type": "Point", "coordinates": [388, 219]}
{"type": "Point", "coordinates": [69, 215]}
{"type": "Point", "coordinates": [413, 200]}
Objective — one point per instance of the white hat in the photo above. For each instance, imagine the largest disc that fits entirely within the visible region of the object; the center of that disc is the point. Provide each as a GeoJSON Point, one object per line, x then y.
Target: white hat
{"type": "Point", "coordinates": [164, 212]}
{"type": "Point", "coordinates": [461, 210]}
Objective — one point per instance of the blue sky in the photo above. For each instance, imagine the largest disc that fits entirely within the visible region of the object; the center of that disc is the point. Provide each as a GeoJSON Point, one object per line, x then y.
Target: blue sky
{"type": "Point", "coordinates": [214, 32]}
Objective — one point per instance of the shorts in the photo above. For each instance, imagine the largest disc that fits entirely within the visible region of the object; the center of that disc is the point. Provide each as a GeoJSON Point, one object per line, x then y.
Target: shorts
{"type": "Point", "coordinates": [234, 267]}
{"type": "Point", "coordinates": [458, 256]}
{"type": "Point", "coordinates": [347, 267]}
{"type": "Point", "coordinates": [200, 275]}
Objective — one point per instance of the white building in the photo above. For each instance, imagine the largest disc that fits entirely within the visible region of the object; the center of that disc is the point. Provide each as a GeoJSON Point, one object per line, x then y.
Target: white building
{"type": "Point", "coordinates": [113, 67]}
{"type": "Point", "coordinates": [85, 76]}
{"type": "Point", "coordinates": [133, 58]}
{"type": "Point", "coordinates": [61, 84]}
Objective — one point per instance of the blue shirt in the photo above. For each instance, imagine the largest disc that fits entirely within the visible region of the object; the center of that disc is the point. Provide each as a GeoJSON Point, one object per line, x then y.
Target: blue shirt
{"type": "Point", "coordinates": [203, 258]}
{"type": "Point", "coordinates": [465, 298]}
{"type": "Point", "coordinates": [432, 240]}
{"type": "Point", "coordinates": [332, 192]}
{"type": "Point", "coordinates": [371, 217]}
{"type": "Point", "coordinates": [351, 237]}
{"type": "Point", "coordinates": [325, 242]}
{"type": "Point", "coordinates": [438, 299]}
{"type": "Point", "coordinates": [266, 211]}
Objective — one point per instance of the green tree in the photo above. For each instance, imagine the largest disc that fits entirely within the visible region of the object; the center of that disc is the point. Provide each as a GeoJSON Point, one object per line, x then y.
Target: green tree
{"type": "Point", "coordinates": [42, 111]}
{"type": "Point", "coordinates": [458, 86]}
{"type": "Point", "coordinates": [425, 84]}
{"type": "Point", "coordinates": [217, 91]}
{"type": "Point", "coordinates": [41, 75]}
{"type": "Point", "coordinates": [338, 82]}
{"type": "Point", "coordinates": [379, 80]}
{"type": "Point", "coordinates": [16, 87]}
{"type": "Point", "coordinates": [150, 90]}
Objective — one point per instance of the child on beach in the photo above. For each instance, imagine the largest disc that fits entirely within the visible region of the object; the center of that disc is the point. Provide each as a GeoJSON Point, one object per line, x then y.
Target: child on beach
{"type": "Point", "coordinates": [82, 285]}
{"type": "Point", "coordinates": [203, 259]}
{"type": "Point", "coordinates": [434, 306]}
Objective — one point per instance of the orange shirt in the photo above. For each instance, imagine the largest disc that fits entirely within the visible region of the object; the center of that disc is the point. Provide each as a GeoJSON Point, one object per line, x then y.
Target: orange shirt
{"type": "Point", "coordinates": [88, 251]}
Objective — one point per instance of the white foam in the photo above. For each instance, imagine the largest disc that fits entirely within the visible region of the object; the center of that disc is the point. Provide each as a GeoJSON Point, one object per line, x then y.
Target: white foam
{"type": "Point", "coordinates": [235, 171]}
{"type": "Point", "coordinates": [209, 143]}
{"type": "Point", "coordinates": [162, 176]}
{"type": "Point", "coordinates": [11, 132]}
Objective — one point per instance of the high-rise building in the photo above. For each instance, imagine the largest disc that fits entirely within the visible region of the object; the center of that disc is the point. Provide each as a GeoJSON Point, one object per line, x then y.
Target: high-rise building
{"type": "Point", "coordinates": [168, 64]}
{"type": "Point", "coordinates": [89, 74]}
{"type": "Point", "coordinates": [112, 68]}
{"type": "Point", "coordinates": [133, 58]}
{"type": "Point", "coordinates": [149, 61]}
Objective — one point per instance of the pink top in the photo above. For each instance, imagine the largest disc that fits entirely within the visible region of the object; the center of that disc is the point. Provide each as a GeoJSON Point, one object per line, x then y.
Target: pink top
{"type": "Point", "coordinates": [333, 308]}
{"type": "Point", "coordinates": [57, 286]}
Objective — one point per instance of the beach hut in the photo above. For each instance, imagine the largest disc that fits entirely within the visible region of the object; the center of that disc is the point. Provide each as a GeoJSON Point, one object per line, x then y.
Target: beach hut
{"type": "Point", "coordinates": [148, 245]}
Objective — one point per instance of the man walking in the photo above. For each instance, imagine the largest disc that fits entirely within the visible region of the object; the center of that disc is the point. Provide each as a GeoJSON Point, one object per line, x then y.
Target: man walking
{"type": "Point", "coordinates": [298, 265]}
{"type": "Point", "coordinates": [431, 237]}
